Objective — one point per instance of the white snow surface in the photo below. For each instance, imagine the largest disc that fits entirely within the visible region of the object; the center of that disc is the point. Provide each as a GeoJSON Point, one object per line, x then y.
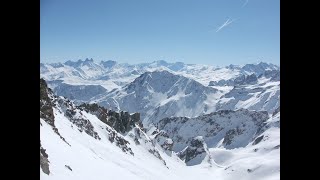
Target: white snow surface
{"type": "Point", "coordinates": [167, 90]}
{"type": "Point", "coordinates": [119, 74]}
{"type": "Point", "coordinates": [90, 158]}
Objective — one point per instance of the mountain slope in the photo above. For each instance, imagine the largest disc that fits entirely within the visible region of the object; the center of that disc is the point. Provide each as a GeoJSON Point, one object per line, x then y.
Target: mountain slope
{"type": "Point", "coordinates": [91, 142]}
{"type": "Point", "coordinates": [87, 71]}
{"type": "Point", "coordinates": [161, 94]}
{"type": "Point", "coordinates": [224, 128]}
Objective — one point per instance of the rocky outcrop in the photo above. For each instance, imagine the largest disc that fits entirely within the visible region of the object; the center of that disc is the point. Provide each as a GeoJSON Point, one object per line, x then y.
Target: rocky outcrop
{"type": "Point", "coordinates": [230, 135]}
{"type": "Point", "coordinates": [222, 82]}
{"type": "Point", "coordinates": [119, 141]}
{"type": "Point", "coordinates": [162, 138]}
{"type": "Point", "coordinates": [241, 80]}
{"type": "Point", "coordinates": [257, 140]}
{"type": "Point", "coordinates": [274, 75]}
{"type": "Point", "coordinates": [246, 79]}
{"type": "Point", "coordinates": [141, 138]}
{"type": "Point", "coordinates": [196, 152]}
{"type": "Point", "coordinates": [75, 116]}
{"type": "Point", "coordinates": [235, 128]}
{"type": "Point", "coordinates": [46, 107]}
{"type": "Point", "coordinates": [46, 111]}
{"type": "Point", "coordinates": [44, 162]}
{"type": "Point", "coordinates": [122, 122]}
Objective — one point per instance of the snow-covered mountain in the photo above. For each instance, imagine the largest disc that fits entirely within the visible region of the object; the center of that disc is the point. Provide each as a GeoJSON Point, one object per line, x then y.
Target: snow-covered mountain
{"type": "Point", "coordinates": [225, 128]}
{"type": "Point", "coordinates": [91, 142]}
{"type": "Point", "coordinates": [160, 94]}
{"type": "Point", "coordinates": [251, 86]}
{"type": "Point", "coordinates": [111, 74]}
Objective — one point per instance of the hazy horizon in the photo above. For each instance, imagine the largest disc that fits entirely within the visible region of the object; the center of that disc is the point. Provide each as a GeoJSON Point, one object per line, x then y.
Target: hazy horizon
{"type": "Point", "coordinates": [133, 63]}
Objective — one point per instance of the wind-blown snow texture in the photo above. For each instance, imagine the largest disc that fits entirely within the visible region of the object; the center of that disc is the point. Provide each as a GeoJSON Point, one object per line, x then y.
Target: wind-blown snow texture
{"type": "Point", "coordinates": [198, 121]}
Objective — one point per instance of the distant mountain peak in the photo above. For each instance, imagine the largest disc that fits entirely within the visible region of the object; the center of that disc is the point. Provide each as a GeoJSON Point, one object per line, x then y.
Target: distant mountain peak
{"type": "Point", "coordinates": [89, 60]}
{"type": "Point", "coordinates": [108, 63]}
{"type": "Point", "coordinates": [161, 62]}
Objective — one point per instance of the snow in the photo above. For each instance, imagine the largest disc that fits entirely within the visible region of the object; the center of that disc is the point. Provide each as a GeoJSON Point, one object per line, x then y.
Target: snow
{"type": "Point", "coordinates": [90, 158]}
{"type": "Point", "coordinates": [158, 90]}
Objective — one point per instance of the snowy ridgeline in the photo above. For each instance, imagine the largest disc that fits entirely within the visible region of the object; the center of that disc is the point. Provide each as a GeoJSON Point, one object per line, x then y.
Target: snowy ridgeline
{"type": "Point", "coordinates": [122, 73]}
{"type": "Point", "coordinates": [91, 142]}
{"type": "Point", "coordinates": [160, 89]}
{"type": "Point", "coordinates": [161, 94]}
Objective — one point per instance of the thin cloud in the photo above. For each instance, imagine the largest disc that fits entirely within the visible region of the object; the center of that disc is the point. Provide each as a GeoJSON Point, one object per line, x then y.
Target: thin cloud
{"type": "Point", "coordinates": [245, 3]}
{"type": "Point", "coordinates": [225, 24]}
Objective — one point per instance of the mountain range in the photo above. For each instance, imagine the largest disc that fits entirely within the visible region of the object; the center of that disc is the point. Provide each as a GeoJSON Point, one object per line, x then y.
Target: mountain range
{"type": "Point", "coordinates": [159, 120]}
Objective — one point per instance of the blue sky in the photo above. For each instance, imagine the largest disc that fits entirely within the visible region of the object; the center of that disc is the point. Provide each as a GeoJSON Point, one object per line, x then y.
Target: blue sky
{"type": "Point", "coordinates": [135, 31]}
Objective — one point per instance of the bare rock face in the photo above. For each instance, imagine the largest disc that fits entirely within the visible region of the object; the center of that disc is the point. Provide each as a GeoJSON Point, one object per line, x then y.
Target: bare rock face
{"type": "Point", "coordinates": [196, 152]}
{"type": "Point", "coordinates": [46, 107]}
{"type": "Point", "coordinates": [122, 122]}
{"type": "Point", "coordinates": [44, 162]}
{"type": "Point", "coordinates": [230, 135]}
{"type": "Point", "coordinates": [46, 111]}
{"type": "Point", "coordinates": [162, 138]}
{"type": "Point", "coordinates": [257, 140]}
{"type": "Point", "coordinates": [235, 128]}
{"type": "Point", "coordinates": [75, 116]}
{"type": "Point", "coordinates": [123, 144]}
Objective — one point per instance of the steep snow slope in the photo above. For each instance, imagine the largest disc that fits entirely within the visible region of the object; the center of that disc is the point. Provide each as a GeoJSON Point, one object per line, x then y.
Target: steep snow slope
{"type": "Point", "coordinates": [260, 158]}
{"type": "Point", "coordinates": [75, 144]}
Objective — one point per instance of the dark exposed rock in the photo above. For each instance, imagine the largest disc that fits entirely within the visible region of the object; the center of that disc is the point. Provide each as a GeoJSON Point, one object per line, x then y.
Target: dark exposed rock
{"type": "Point", "coordinates": [122, 122]}
{"type": "Point", "coordinates": [229, 82]}
{"type": "Point", "coordinates": [68, 167]}
{"type": "Point", "coordinates": [227, 124]}
{"type": "Point", "coordinates": [119, 141]}
{"type": "Point", "coordinates": [47, 102]}
{"type": "Point", "coordinates": [276, 111]}
{"type": "Point", "coordinates": [44, 162]}
{"type": "Point", "coordinates": [244, 79]}
{"type": "Point", "coordinates": [46, 111]}
{"type": "Point", "coordinates": [257, 140]}
{"type": "Point", "coordinates": [46, 107]}
{"type": "Point", "coordinates": [195, 152]}
{"type": "Point", "coordinates": [274, 75]}
{"type": "Point", "coordinates": [82, 123]}
{"type": "Point", "coordinates": [276, 147]}
{"type": "Point", "coordinates": [162, 138]}
{"type": "Point", "coordinates": [231, 134]}
{"type": "Point", "coordinates": [157, 155]}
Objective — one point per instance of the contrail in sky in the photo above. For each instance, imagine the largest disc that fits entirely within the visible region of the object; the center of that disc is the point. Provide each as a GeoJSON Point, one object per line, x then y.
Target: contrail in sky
{"type": "Point", "coordinates": [245, 3]}
{"type": "Point", "coordinates": [228, 21]}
